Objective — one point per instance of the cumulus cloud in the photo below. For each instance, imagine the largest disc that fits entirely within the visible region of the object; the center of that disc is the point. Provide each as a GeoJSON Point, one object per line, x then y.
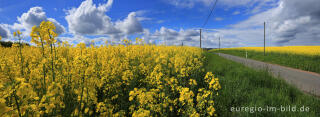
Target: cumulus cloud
{"type": "Point", "coordinates": [292, 22]}
{"type": "Point", "coordinates": [89, 19]}
{"type": "Point", "coordinates": [35, 16]}
{"type": "Point", "coordinates": [172, 37]}
{"type": "Point", "coordinates": [59, 28]}
{"type": "Point", "coordinates": [4, 31]}
{"type": "Point", "coordinates": [97, 41]}
{"type": "Point", "coordinates": [190, 37]}
{"type": "Point", "coordinates": [130, 25]}
{"type": "Point", "coordinates": [299, 22]}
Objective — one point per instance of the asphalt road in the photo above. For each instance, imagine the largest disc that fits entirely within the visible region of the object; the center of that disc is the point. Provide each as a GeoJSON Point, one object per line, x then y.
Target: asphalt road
{"type": "Point", "coordinates": [306, 81]}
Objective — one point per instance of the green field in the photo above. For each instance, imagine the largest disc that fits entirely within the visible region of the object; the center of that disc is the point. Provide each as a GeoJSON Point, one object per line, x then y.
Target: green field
{"type": "Point", "coordinates": [303, 62]}
{"type": "Point", "coordinates": [245, 87]}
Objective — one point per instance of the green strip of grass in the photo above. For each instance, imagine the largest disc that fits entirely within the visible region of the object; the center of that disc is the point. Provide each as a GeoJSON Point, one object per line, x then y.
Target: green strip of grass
{"type": "Point", "coordinates": [303, 62]}
{"type": "Point", "coordinates": [245, 87]}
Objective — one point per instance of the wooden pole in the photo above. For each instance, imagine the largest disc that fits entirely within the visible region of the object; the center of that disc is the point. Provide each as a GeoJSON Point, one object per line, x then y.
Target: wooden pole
{"type": "Point", "coordinates": [200, 37]}
{"type": "Point", "coordinates": [219, 45]}
{"type": "Point", "coordinates": [264, 42]}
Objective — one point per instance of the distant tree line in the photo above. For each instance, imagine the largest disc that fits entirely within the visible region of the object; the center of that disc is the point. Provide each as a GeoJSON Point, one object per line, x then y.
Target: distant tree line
{"type": "Point", "coordinates": [9, 43]}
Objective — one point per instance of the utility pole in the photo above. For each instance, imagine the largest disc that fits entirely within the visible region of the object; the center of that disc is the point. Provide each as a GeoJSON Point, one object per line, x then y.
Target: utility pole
{"type": "Point", "coordinates": [219, 44]}
{"type": "Point", "coordinates": [264, 42]}
{"type": "Point", "coordinates": [200, 37]}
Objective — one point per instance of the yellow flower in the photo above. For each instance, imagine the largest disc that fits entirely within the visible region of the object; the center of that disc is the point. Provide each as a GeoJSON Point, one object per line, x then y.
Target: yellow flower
{"type": "Point", "coordinates": [301, 50]}
{"type": "Point", "coordinates": [192, 82]}
{"type": "Point", "coordinates": [156, 78]}
{"type": "Point", "coordinates": [36, 98]}
{"type": "Point", "coordinates": [195, 114]}
{"type": "Point", "coordinates": [141, 113]}
{"type": "Point", "coordinates": [18, 32]}
{"type": "Point", "coordinates": [211, 110]}
{"type": "Point", "coordinates": [86, 110]}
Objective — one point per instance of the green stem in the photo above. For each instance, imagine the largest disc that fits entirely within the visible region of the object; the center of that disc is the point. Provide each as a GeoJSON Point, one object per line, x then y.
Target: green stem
{"type": "Point", "coordinates": [15, 97]}
{"type": "Point", "coordinates": [81, 95]}
{"type": "Point", "coordinates": [55, 51]}
{"type": "Point", "coordinates": [21, 58]}
{"type": "Point", "coordinates": [43, 67]}
{"type": "Point", "coordinates": [52, 66]}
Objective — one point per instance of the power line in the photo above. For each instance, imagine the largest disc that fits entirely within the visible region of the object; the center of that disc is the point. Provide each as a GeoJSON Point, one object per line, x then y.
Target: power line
{"type": "Point", "coordinates": [206, 21]}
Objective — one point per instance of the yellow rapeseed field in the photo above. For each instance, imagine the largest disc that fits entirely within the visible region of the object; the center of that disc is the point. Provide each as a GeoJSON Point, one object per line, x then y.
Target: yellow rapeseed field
{"type": "Point", "coordinates": [56, 79]}
{"type": "Point", "coordinates": [302, 50]}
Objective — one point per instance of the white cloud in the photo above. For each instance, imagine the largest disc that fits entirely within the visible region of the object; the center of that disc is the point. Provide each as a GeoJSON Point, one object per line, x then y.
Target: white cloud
{"type": "Point", "coordinates": [59, 28]}
{"type": "Point", "coordinates": [189, 37]}
{"type": "Point", "coordinates": [182, 3]}
{"type": "Point", "coordinates": [218, 19]}
{"type": "Point", "coordinates": [142, 12]}
{"type": "Point", "coordinates": [4, 30]}
{"type": "Point", "coordinates": [76, 39]}
{"type": "Point", "coordinates": [160, 21]}
{"type": "Point", "coordinates": [291, 22]}
{"type": "Point", "coordinates": [89, 19]}
{"type": "Point", "coordinates": [148, 37]}
{"type": "Point", "coordinates": [227, 3]}
{"type": "Point", "coordinates": [250, 6]}
{"type": "Point", "coordinates": [33, 17]}
{"type": "Point", "coordinates": [236, 13]}
{"type": "Point", "coordinates": [144, 18]}
{"type": "Point", "coordinates": [172, 37]}
{"type": "Point", "coordinates": [233, 3]}
{"type": "Point", "coordinates": [130, 25]}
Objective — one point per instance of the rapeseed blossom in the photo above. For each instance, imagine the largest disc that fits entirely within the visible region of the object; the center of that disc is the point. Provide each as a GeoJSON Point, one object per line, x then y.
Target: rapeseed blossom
{"type": "Point", "coordinates": [301, 50]}
{"type": "Point", "coordinates": [132, 80]}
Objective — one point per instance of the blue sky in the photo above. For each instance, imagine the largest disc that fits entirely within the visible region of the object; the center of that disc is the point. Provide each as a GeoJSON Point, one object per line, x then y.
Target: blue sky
{"type": "Point", "coordinates": [237, 22]}
{"type": "Point", "coordinates": [157, 11]}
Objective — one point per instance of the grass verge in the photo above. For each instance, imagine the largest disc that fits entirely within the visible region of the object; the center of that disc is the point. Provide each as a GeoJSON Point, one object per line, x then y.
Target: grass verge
{"type": "Point", "coordinates": [303, 62]}
{"type": "Point", "coordinates": [245, 87]}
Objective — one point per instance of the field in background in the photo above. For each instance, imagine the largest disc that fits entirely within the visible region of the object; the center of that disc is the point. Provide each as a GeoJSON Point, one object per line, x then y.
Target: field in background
{"type": "Point", "coordinates": [246, 87]}
{"type": "Point", "coordinates": [131, 80]}
{"type": "Point", "coordinates": [300, 57]}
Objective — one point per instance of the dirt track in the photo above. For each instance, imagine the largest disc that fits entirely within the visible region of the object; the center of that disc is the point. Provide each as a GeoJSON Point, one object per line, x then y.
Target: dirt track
{"type": "Point", "coordinates": [306, 81]}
